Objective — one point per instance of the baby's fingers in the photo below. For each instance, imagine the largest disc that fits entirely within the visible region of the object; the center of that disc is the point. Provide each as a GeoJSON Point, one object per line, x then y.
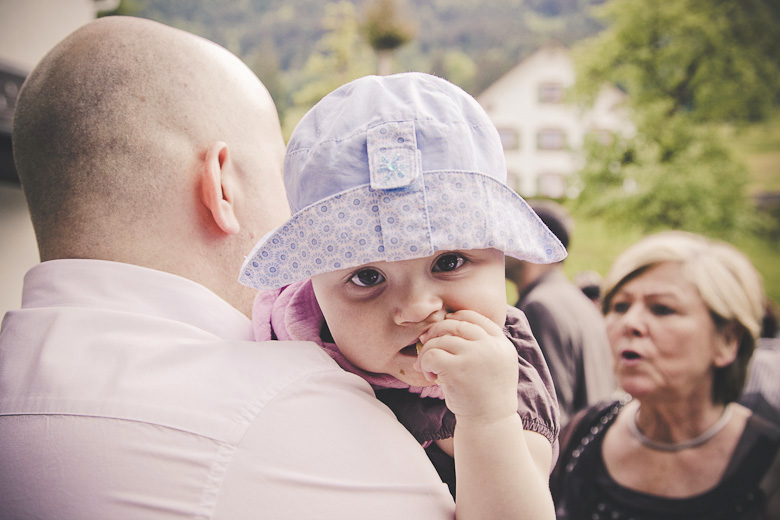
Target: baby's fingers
{"type": "Point", "coordinates": [478, 319]}
{"type": "Point", "coordinates": [468, 325]}
{"type": "Point", "coordinates": [434, 363]}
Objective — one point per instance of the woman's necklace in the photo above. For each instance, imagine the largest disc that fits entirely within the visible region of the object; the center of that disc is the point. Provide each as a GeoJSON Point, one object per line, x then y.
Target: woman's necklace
{"type": "Point", "coordinates": [700, 439]}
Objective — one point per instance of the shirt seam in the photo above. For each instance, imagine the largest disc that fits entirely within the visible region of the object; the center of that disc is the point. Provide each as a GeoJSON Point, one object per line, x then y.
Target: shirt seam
{"type": "Point", "coordinates": [214, 485]}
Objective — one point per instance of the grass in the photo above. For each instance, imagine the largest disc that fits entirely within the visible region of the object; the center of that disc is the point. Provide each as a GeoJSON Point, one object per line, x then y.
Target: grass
{"type": "Point", "coordinates": [758, 145]}
{"type": "Point", "coordinates": [595, 244]}
{"type": "Point", "coordinates": [765, 255]}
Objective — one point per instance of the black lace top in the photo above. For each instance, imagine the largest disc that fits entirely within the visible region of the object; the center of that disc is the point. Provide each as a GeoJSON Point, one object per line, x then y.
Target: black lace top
{"type": "Point", "coordinates": [583, 489]}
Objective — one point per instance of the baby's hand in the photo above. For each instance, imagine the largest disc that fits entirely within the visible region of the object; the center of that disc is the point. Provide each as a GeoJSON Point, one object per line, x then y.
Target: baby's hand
{"type": "Point", "coordinates": [475, 365]}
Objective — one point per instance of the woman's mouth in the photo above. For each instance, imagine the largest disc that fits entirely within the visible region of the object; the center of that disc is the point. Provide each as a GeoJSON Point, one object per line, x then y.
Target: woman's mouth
{"type": "Point", "coordinates": [630, 358]}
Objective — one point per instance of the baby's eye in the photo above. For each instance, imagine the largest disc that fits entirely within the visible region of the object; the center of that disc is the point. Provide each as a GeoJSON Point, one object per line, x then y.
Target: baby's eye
{"type": "Point", "coordinates": [448, 262]}
{"type": "Point", "coordinates": [367, 278]}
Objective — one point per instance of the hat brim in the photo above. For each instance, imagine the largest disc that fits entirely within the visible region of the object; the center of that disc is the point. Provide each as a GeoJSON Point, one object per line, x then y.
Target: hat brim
{"type": "Point", "coordinates": [442, 211]}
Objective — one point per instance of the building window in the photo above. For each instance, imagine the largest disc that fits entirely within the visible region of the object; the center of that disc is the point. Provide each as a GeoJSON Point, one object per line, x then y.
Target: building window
{"type": "Point", "coordinates": [552, 185]}
{"type": "Point", "coordinates": [551, 93]}
{"type": "Point", "coordinates": [551, 139]}
{"type": "Point", "coordinates": [510, 138]}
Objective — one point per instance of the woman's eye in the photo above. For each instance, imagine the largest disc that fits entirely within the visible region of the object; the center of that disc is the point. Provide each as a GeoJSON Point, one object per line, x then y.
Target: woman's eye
{"type": "Point", "coordinates": [620, 307]}
{"type": "Point", "coordinates": [662, 310]}
{"type": "Point", "coordinates": [367, 278]}
{"type": "Point", "coordinates": [448, 262]}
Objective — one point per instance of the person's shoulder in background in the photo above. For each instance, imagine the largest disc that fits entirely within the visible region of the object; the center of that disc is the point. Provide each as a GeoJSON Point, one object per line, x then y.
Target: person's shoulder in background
{"type": "Point", "coordinates": [762, 390]}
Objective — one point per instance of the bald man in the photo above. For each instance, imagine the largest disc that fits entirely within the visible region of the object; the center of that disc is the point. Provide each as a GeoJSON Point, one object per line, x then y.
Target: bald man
{"type": "Point", "coordinates": [129, 384]}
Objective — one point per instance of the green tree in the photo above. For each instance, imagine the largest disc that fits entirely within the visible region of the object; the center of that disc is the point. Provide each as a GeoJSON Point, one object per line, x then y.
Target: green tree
{"type": "Point", "coordinates": [264, 62]}
{"type": "Point", "coordinates": [715, 59]}
{"type": "Point", "coordinates": [687, 66]}
{"type": "Point", "coordinates": [455, 66]}
{"type": "Point", "coordinates": [386, 30]}
{"type": "Point", "coordinates": [339, 56]}
{"type": "Point", "coordinates": [671, 174]}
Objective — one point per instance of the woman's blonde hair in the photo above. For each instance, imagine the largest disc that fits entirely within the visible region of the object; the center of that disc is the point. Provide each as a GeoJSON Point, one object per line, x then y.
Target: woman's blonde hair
{"type": "Point", "coordinates": [727, 282]}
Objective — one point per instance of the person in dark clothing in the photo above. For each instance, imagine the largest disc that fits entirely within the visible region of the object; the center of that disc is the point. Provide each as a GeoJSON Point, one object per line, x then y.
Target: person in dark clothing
{"type": "Point", "coordinates": [569, 328]}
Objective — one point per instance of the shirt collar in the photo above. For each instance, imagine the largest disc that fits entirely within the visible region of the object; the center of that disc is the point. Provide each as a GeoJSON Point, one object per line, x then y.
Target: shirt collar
{"type": "Point", "coordinates": [130, 288]}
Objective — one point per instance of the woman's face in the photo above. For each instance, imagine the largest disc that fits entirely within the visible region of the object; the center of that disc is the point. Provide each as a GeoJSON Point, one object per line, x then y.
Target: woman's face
{"type": "Point", "coordinates": [664, 341]}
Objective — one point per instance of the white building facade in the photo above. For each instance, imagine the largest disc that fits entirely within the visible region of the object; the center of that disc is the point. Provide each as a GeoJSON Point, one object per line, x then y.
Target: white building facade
{"type": "Point", "coordinates": [542, 134]}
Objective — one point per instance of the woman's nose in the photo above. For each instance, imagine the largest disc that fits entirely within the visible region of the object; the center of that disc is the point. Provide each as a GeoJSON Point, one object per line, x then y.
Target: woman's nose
{"type": "Point", "coordinates": [419, 304]}
{"type": "Point", "coordinates": [634, 322]}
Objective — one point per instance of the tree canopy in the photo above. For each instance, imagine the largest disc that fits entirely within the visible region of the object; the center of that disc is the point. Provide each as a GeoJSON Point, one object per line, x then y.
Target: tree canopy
{"type": "Point", "coordinates": [384, 28]}
{"type": "Point", "coordinates": [687, 67]}
{"type": "Point", "coordinates": [715, 59]}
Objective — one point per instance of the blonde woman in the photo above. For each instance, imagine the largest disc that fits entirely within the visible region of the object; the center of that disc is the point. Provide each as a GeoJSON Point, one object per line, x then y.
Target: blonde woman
{"type": "Point", "coordinates": [683, 313]}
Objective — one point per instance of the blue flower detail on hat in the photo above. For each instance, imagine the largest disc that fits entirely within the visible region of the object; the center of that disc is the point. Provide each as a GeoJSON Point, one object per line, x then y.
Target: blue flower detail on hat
{"type": "Point", "coordinates": [392, 168]}
{"type": "Point", "coordinates": [395, 139]}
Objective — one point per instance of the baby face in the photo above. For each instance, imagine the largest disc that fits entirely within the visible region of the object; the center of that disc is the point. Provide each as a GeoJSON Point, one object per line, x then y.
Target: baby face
{"type": "Point", "coordinates": [377, 311]}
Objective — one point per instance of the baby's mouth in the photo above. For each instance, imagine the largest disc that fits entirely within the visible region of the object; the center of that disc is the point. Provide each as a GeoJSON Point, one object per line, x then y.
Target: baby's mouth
{"type": "Point", "coordinates": [412, 350]}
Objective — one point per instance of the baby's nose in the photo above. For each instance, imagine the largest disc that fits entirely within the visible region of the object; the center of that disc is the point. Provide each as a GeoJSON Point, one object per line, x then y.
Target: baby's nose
{"type": "Point", "coordinates": [420, 306]}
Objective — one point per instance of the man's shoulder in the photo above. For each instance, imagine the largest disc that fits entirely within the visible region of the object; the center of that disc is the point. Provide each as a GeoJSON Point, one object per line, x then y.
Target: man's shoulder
{"type": "Point", "coordinates": [232, 382]}
{"type": "Point", "coordinates": [151, 370]}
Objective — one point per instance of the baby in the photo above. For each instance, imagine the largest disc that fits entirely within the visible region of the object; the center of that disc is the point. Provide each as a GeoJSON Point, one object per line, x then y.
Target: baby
{"type": "Point", "coordinates": [393, 261]}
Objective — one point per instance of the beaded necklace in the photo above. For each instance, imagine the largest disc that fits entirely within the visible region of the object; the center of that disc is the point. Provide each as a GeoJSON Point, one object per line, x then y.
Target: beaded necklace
{"type": "Point", "coordinates": [700, 439]}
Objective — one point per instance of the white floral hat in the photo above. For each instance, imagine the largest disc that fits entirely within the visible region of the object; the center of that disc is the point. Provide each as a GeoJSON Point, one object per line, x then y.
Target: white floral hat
{"type": "Point", "coordinates": [389, 168]}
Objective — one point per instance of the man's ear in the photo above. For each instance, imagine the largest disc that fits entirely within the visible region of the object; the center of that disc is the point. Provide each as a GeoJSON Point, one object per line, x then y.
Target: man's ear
{"type": "Point", "coordinates": [216, 189]}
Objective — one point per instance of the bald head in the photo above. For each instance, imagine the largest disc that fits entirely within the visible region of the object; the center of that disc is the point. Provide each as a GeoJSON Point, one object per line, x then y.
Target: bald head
{"type": "Point", "coordinates": [111, 131]}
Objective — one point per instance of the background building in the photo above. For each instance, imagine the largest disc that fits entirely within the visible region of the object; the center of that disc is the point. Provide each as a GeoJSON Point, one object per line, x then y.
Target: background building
{"type": "Point", "coordinates": [541, 132]}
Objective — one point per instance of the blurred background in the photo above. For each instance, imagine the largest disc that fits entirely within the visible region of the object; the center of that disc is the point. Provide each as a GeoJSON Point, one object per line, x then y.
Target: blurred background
{"type": "Point", "coordinates": [636, 116]}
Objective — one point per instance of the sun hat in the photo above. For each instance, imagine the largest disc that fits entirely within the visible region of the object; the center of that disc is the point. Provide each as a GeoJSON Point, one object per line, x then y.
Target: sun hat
{"type": "Point", "coordinates": [555, 217]}
{"type": "Point", "coordinates": [389, 168]}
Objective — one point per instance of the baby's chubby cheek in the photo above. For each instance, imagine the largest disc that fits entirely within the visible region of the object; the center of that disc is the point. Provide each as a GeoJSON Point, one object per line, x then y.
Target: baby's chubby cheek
{"type": "Point", "coordinates": [496, 314]}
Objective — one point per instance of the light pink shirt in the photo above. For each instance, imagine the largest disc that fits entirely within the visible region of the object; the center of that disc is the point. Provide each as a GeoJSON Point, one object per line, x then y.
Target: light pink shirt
{"type": "Point", "coordinates": [132, 393]}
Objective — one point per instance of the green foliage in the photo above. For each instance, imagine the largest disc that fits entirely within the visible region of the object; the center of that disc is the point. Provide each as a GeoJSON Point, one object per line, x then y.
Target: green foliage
{"type": "Point", "coordinates": [384, 27]}
{"type": "Point", "coordinates": [672, 174]}
{"type": "Point", "coordinates": [494, 34]}
{"type": "Point", "coordinates": [264, 62]}
{"type": "Point", "coordinates": [764, 253]}
{"type": "Point", "coordinates": [685, 65]}
{"type": "Point", "coordinates": [758, 144]}
{"type": "Point", "coordinates": [339, 57]}
{"type": "Point", "coordinates": [715, 59]}
{"type": "Point", "coordinates": [596, 242]}
{"type": "Point", "coordinates": [288, 43]}
{"type": "Point", "coordinates": [125, 8]}
{"type": "Point", "coordinates": [456, 66]}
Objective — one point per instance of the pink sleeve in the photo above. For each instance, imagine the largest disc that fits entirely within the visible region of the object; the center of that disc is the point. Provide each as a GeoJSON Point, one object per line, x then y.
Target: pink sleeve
{"type": "Point", "coordinates": [261, 313]}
